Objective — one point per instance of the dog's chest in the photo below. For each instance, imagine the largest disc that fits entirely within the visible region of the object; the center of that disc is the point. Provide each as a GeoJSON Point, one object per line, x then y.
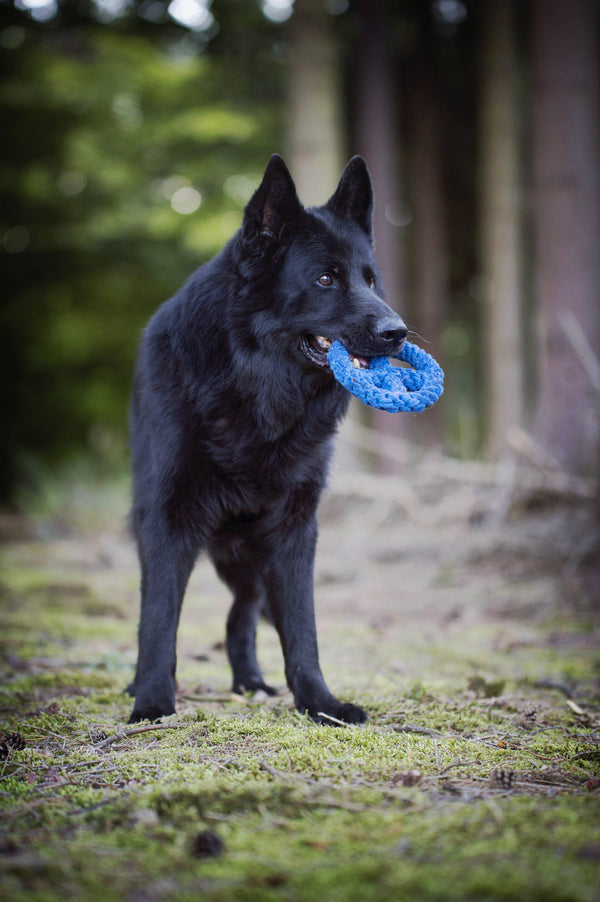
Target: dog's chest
{"type": "Point", "coordinates": [253, 472]}
{"type": "Point", "coordinates": [238, 448]}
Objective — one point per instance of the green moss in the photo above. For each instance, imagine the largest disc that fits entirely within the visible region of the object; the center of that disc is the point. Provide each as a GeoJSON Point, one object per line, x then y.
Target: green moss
{"type": "Point", "coordinates": [384, 852]}
{"type": "Point", "coordinates": [474, 779]}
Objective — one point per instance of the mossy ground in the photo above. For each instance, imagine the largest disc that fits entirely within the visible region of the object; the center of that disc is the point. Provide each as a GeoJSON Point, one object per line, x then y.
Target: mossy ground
{"type": "Point", "coordinates": [472, 643]}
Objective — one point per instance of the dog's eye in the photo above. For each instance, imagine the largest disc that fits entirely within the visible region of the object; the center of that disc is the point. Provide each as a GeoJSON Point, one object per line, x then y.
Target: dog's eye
{"type": "Point", "coordinates": [325, 280]}
{"type": "Point", "coordinates": [371, 282]}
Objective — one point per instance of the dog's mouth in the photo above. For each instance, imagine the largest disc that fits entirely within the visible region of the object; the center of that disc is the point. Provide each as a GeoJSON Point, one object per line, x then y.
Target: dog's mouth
{"type": "Point", "coordinates": [316, 348]}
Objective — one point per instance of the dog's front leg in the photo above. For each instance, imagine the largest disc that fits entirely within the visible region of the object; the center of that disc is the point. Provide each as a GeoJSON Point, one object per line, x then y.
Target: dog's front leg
{"type": "Point", "coordinates": [166, 565]}
{"type": "Point", "coordinates": [289, 582]}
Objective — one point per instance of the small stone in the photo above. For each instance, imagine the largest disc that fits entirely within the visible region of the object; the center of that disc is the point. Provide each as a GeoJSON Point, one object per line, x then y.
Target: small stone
{"type": "Point", "coordinates": [207, 845]}
{"type": "Point", "coordinates": [527, 718]}
{"type": "Point", "coordinates": [147, 817]}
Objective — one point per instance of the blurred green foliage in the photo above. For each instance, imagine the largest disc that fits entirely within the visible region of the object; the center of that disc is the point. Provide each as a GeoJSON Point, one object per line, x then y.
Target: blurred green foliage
{"type": "Point", "coordinates": [127, 158]}
{"type": "Point", "coordinates": [130, 146]}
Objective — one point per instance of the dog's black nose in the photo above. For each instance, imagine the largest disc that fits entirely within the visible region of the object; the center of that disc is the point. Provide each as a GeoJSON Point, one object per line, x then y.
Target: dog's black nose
{"type": "Point", "coordinates": [392, 329]}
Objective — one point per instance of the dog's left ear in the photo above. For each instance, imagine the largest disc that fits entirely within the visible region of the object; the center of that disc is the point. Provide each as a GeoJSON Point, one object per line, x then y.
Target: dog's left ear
{"type": "Point", "coordinates": [353, 198]}
{"type": "Point", "coordinates": [274, 207]}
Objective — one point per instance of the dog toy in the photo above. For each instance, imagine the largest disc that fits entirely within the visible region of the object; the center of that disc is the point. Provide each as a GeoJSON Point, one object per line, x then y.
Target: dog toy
{"type": "Point", "coordinates": [386, 387]}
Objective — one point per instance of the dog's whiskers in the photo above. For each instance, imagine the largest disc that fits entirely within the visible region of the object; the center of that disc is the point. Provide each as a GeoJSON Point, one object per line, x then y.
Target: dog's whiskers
{"type": "Point", "coordinates": [422, 339]}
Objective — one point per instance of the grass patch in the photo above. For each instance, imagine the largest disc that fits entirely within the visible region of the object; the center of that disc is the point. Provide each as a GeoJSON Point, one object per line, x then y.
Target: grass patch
{"type": "Point", "coordinates": [477, 776]}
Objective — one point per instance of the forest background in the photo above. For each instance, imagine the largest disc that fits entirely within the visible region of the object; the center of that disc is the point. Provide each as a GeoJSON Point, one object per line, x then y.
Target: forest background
{"type": "Point", "coordinates": [134, 133]}
{"type": "Point", "coordinates": [457, 587]}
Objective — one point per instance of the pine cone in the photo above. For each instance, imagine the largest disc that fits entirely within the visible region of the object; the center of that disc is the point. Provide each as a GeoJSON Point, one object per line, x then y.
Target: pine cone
{"type": "Point", "coordinates": [15, 741]}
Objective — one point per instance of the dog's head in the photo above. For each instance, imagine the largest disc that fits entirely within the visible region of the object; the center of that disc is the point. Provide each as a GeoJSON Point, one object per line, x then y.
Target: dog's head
{"type": "Point", "coordinates": [323, 280]}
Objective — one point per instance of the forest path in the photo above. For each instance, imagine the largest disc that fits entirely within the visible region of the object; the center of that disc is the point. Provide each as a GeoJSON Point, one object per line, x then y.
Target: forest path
{"type": "Point", "coordinates": [458, 606]}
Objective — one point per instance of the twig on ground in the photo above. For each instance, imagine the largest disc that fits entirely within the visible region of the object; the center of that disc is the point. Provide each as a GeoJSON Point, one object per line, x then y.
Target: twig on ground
{"type": "Point", "coordinates": [340, 723]}
{"type": "Point", "coordinates": [212, 698]}
{"type": "Point", "coordinates": [449, 767]}
{"type": "Point", "coordinates": [282, 775]}
{"type": "Point", "coordinates": [413, 728]}
{"type": "Point", "coordinates": [278, 774]}
{"type": "Point", "coordinates": [126, 734]}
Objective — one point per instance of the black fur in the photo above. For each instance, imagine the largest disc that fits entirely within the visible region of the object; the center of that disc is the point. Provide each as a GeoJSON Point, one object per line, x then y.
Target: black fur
{"type": "Point", "coordinates": [233, 414]}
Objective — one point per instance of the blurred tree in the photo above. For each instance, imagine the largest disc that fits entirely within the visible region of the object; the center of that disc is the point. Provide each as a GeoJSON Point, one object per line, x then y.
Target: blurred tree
{"type": "Point", "coordinates": [500, 224]}
{"type": "Point", "coordinates": [135, 132]}
{"type": "Point", "coordinates": [429, 258]}
{"type": "Point", "coordinates": [428, 301]}
{"type": "Point", "coordinates": [129, 157]}
{"type": "Point", "coordinates": [566, 152]}
{"type": "Point", "coordinates": [377, 136]}
{"type": "Point", "coordinates": [315, 128]}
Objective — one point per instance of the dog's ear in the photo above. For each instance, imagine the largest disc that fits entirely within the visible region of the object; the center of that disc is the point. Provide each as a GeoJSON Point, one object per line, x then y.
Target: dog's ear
{"type": "Point", "coordinates": [353, 198]}
{"type": "Point", "coordinates": [274, 207]}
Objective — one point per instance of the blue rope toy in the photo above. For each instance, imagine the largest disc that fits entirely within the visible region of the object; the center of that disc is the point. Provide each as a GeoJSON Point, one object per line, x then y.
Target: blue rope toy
{"type": "Point", "coordinates": [387, 387]}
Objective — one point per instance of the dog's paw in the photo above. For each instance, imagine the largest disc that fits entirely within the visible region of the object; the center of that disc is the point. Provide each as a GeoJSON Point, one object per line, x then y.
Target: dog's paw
{"type": "Point", "coordinates": [340, 714]}
{"type": "Point", "coordinates": [150, 712]}
{"type": "Point", "coordinates": [252, 685]}
{"type": "Point", "coordinates": [350, 713]}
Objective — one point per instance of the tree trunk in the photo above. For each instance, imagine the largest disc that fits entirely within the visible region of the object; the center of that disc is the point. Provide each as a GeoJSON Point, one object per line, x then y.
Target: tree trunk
{"type": "Point", "coordinates": [428, 311]}
{"type": "Point", "coordinates": [377, 139]}
{"type": "Point", "coordinates": [500, 226]}
{"type": "Point", "coordinates": [566, 156]}
{"type": "Point", "coordinates": [315, 132]}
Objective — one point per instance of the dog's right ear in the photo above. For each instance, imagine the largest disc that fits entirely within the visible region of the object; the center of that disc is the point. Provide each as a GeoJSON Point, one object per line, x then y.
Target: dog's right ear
{"type": "Point", "coordinates": [274, 207]}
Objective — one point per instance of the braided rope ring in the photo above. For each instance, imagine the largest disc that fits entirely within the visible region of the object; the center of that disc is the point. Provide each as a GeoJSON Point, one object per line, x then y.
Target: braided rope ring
{"type": "Point", "coordinates": [387, 387]}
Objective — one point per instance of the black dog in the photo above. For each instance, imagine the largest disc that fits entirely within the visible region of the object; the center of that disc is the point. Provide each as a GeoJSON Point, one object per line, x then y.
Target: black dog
{"type": "Point", "coordinates": [233, 414]}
